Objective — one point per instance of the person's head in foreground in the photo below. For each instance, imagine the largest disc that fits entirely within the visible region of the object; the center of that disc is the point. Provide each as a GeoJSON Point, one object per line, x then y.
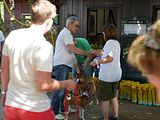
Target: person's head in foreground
{"type": "Point", "coordinates": [43, 13]}
{"type": "Point", "coordinates": [144, 54]}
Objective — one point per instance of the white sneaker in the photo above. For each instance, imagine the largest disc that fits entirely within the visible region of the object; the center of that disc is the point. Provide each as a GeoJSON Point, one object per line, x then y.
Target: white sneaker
{"type": "Point", "coordinates": [71, 110]}
{"type": "Point", "coordinates": [61, 112]}
{"type": "Point", "coordinates": [59, 117]}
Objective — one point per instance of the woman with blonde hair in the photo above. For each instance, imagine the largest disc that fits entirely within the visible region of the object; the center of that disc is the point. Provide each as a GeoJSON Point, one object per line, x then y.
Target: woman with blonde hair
{"type": "Point", "coordinates": [144, 54]}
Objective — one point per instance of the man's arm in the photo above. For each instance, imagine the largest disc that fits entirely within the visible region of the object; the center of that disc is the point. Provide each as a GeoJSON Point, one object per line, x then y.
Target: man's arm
{"type": "Point", "coordinates": [77, 50]}
{"type": "Point", "coordinates": [78, 72]}
{"type": "Point", "coordinates": [46, 83]}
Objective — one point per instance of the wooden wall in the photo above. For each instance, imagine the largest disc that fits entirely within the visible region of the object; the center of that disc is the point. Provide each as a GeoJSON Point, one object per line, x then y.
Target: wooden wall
{"type": "Point", "coordinates": [79, 8]}
{"type": "Point", "coordinates": [126, 8]}
{"type": "Point", "coordinates": [138, 8]}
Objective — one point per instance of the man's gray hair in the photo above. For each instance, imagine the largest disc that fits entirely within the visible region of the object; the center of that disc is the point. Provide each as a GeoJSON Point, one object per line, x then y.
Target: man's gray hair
{"type": "Point", "coordinates": [71, 20]}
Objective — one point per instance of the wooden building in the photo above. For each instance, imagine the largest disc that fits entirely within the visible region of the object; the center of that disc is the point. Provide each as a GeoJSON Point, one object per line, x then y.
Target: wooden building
{"type": "Point", "coordinates": [132, 17]}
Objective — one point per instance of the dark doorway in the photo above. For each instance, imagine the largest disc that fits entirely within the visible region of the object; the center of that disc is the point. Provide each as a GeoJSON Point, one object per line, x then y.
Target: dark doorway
{"type": "Point", "coordinates": [97, 18]}
{"type": "Point", "coordinates": [155, 13]}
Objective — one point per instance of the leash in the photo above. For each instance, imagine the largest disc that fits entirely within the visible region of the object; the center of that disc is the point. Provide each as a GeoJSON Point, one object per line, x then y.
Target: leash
{"type": "Point", "coordinates": [66, 103]}
{"type": "Point", "coordinates": [76, 102]}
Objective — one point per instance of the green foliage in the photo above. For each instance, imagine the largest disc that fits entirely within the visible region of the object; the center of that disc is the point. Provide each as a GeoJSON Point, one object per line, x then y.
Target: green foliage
{"type": "Point", "coordinates": [30, 2]}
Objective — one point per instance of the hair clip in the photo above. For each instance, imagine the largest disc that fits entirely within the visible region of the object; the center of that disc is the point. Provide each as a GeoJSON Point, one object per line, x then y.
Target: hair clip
{"type": "Point", "coordinates": [151, 42]}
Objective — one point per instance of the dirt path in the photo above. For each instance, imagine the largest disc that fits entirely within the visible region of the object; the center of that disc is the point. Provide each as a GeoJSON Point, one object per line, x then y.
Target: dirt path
{"type": "Point", "coordinates": [128, 111]}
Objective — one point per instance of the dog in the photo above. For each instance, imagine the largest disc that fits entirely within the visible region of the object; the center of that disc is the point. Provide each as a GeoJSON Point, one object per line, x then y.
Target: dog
{"type": "Point", "coordinates": [80, 98]}
{"type": "Point", "coordinates": [84, 94]}
{"type": "Point", "coordinates": [93, 90]}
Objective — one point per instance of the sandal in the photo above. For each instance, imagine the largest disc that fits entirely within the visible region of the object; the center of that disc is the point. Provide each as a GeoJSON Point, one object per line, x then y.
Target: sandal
{"type": "Point", "coordinates": [115, 118]}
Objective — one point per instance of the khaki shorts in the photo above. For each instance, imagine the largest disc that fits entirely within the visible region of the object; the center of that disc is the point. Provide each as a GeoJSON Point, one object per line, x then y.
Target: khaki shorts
{"type": "Point", "coordinates": [106, 90]}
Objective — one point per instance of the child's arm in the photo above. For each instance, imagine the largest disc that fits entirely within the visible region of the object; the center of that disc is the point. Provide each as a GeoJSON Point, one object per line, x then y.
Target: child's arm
{"type": "Point", "coordinates": [76, 66]}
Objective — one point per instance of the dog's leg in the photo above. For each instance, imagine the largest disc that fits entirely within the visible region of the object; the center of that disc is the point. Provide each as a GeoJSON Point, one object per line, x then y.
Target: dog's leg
{"type": "Point", "coordinates": [66, 115]}
{"type": "Point", "coordinates": [97, 102]}
{"type": "Point", "coordinates": [82, 114]}
{"type": "Point", "coordinates": [91, 102]}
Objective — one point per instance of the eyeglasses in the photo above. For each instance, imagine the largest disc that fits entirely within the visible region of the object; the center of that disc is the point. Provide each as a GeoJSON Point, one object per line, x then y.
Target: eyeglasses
{"type": "Point", "coordinates": [77, 26]}
{"type": "Point", "coordinates": [53, 19]}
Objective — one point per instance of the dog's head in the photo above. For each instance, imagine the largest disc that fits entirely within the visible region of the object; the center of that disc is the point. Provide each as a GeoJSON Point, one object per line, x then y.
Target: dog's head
{"type": "Point", "coordinates": [84, 86]}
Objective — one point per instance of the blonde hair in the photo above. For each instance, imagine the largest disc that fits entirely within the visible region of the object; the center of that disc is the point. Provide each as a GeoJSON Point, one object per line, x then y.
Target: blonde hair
{"type": "Point", "coordinates": [156, 31]}
{"type": "Point", "coordinates": [42, 10]}
{"type": "Point", "coordinates": [143, 57]}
